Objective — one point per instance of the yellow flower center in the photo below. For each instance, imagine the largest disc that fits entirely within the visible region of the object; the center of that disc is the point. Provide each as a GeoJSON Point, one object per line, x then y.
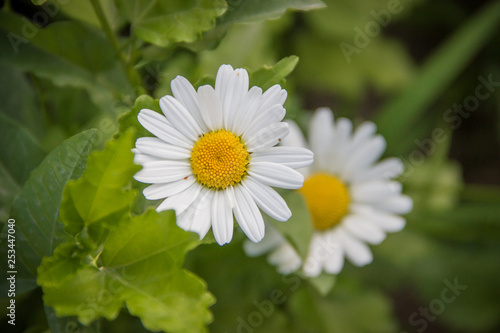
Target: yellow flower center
{"type": "Point", "coordinates": [327, 199]}
{"type": "Point", "coordinates": [219, 159]}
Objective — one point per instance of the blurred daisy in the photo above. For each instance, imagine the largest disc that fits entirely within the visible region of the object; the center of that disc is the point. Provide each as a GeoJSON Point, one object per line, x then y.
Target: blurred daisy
{"type": "Point", "coordinates": [351, 197]}
{"type": "Point", "coordinates": [213, 155]}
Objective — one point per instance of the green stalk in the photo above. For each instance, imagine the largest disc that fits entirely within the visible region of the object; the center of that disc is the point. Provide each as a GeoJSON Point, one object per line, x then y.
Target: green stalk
{"type": "Point", "coordinates": [130, 72]}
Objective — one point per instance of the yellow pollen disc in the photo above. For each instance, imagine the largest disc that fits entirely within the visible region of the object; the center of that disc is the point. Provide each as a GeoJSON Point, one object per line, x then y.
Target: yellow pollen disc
{"type": "Point", "coordinates": [327, 199]}
{"type": "Point", "coordinates": [219, 159]}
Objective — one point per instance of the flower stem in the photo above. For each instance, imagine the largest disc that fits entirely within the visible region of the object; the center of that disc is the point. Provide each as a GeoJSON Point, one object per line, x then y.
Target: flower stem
{"type": "Point", "coordinates": [130, 72]}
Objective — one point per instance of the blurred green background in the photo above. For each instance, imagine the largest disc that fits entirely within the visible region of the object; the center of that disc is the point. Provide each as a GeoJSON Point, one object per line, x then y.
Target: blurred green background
{"type": "Point", "coordinates": [429, 76]}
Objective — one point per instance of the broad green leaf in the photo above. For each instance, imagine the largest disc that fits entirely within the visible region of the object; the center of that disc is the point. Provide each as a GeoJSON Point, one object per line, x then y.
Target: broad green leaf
{"type": "Point", "coordinates": [268, 76]}
{"type": "Point", "coordinates": [437, 73]}
{"type": "Point", "coordinates": [36, 207]}
{"type": "Point", "coordinates": [20, 152]}
{"type": "Point", "coordinates": [99, 200]}
{"type": "Point", "coordinates": [19, 155]}
{"type": "Point", "coordinates": [66, 53]}
{"type": "Point", "coordinates": [139, 265]}
{"type": "Point", "coordinates": [166, 22]}
{"type": "Point", "coordinates": [248, 11]}
{"type": "Point", "coordinates": [298, 229]}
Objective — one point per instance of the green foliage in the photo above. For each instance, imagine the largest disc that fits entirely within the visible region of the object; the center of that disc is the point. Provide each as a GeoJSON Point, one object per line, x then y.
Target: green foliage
{"type": "Point", "coordinates": [340, 311]}
{"type": "Point", "coordinates": [268, 76]}
{"type": "Point", "coordinates": [165, 22]}
{"type": "Point", "coordinates": [66, 53]}
{"type": "Point", "coordinates": [98, 200]}
{"type": "Point", "coordinates": [36, 207]}
{"type": "Point", "coordinates": [247, 11]}
{"type": "Point", "coordinates": [19, 155]}
{"type": "Point", "coordinates": [139, 264]}
{"type": "Point", "coordinates": [116, 258]}
{"type": "Point", "coordinates": [129, 119]}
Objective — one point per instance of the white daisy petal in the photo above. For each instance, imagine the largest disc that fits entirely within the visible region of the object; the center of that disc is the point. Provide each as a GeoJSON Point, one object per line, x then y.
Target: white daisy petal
{"type": "Point", "coordinates": [222, 80]}
{"type": "Point", "coordinates": [237, 89]}
{"type": "Point", "coordinates": [184, 92]}
{"type": "Point", "coordinates": [274, 115]}
{"type": "Point", "coordinates": [197, 217]}
{"type": "Point", "coordinates": [141, 159]}
{"type": "Point", "coordinates": [399, 204]}
{"type": "Point", "coordinates": [163, 171]}
{"type": "Point", "coordinates": [180, 118]}
{"type": "Point", "coordinates": [267, 137]}
{"type": "Point", "coordinates": [374, 191]}
{"type": "Point", "coordinates": [363, 157]}
{"type": "Point", "coordinates": [222, 219]}
{"type": "Point", "coordinates": [272, 96]}
{"type": "Point", "coordinates": [363, 228]}
{"type": "Point", "coordinates": [162, 190]}
{"type": "Point", "coordinates": [340, 145]}
{"type": "Point", "coordinates": [335, 261]}
{"type": "Point", "coordinates": [362, 133]}
{"type": "Point", "coordinates": [285, 257]}
{"type": "Point", "coordinates": [159, 148]}
{"type": "Point", "coordinates": [321, 132]}
{"type": "Point", "coordinates": [248, 215]}
{"type": "Point", "coordinates": [210, 107]}
{"type": "Point", "coordinates": [356, 251]}
{"type": "Point", "coordinates": [387, 169]}
{"type": "Point", "coordinates": [158, 125]}
{"type": "Point", "coordinates": [387, 221]}
{"type": "Point", "coordinates": [181, 201]}
{"type": "Point", "coordinates": [276, 175]}
{"type": "Point", "coordinates": [295, 138]}
{"type": "Point", "coordinates": [268, 199]}
{"type": "Point", "coordinates": [293, 157]}
{"type": "Point", "coordinates": [245, 113]}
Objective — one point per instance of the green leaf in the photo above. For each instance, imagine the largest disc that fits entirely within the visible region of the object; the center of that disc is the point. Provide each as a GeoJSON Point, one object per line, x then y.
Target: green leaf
{"type": "Point", "coordinates": [98, 200]}
{"type": "Point", "coordinates": [19, 101]}
{"type": "Point", "coordinates": [268, 76]}
{"type": "Point", "coordinates": [248, 11]}
{"type": "Point", "coordinates": [66, 53]}
{"type": "Point", "coordinates": [20, 152]}
{"type": "Point", "coordinates": [298, 229]}
{"type": "Point", "coordinates": [166, 22]}
{"type": "Point", "coordinates": [19, 155]}
{"type": "Point", "coordinates": [66, 324]}
{"type": "Point", "coordinates": [36, 207]}
{"type": "Point", "coordinates": [129, 119]}
{"type": "Point", "coordinates": [437, 74]}
{"type": "Point", "coordinates": [139, 265]}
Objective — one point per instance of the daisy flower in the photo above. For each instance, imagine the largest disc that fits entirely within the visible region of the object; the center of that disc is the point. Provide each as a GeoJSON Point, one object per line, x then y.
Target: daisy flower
{"type": "Point", "coordinates": [350, 196]}
{"type": "Point", "coordinates": [213, 155]}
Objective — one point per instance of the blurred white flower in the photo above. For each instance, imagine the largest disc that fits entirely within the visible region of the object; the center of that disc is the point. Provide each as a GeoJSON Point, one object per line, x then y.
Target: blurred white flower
{"type": "Point", "coordinates": [214, 155]}
{"type": "Point", "coordinates": [351, 197]}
